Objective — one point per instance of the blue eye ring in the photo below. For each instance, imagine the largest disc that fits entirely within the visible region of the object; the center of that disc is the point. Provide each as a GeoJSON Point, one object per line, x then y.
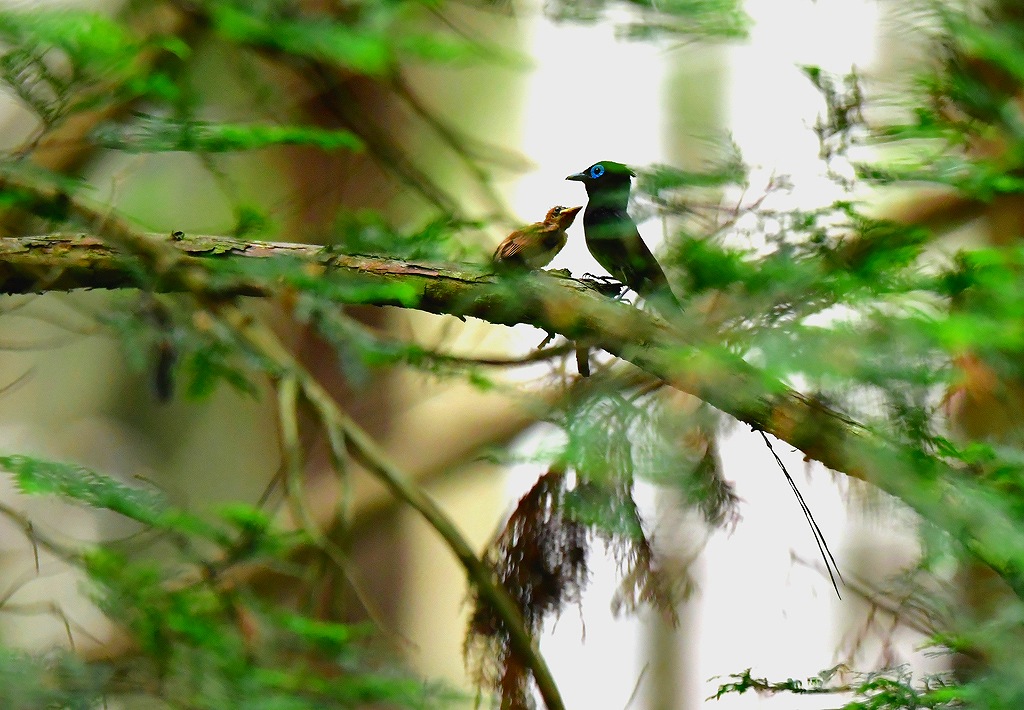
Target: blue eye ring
{"type": "Point", "coordinates": [597, 171]}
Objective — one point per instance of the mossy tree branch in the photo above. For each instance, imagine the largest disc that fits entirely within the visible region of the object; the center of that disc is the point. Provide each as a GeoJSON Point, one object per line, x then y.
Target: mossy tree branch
{"type": "Point", "coordinates": [937, 490]}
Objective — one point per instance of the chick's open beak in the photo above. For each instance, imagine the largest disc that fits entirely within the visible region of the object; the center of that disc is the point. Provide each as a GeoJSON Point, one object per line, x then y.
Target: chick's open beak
{"type": "Point", "coordinates": [567, 216]}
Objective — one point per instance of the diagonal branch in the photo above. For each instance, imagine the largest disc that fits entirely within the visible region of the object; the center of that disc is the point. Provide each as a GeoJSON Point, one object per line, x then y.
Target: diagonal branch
{"type": "Point", "coordinates": [935, 489]}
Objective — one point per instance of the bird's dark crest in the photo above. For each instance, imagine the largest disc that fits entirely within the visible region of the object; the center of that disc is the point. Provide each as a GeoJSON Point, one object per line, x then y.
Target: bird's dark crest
{"type": "Point", "coordinates": [607, 169]}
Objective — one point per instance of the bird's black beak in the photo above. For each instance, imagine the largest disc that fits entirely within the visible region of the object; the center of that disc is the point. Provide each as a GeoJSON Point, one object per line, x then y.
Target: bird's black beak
{"type": "Point", "coordinates": [577, 176]}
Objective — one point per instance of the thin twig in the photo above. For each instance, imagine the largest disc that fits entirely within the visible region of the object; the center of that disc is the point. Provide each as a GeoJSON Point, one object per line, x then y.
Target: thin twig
{"type": "Point", "coordinates": [540, 354]}
{"type": "Point", "coordinates": [291, 450]}
{"type": "Point", "coordinates": [39, 539]}
{"type": "Point", "coordinates": [292, 470]}
{"type": "Point", "coordinates": [819, 537]}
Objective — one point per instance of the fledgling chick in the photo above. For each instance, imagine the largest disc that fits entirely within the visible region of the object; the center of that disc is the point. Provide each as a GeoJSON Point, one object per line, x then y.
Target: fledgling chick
{"type": "Point", "coordinates": [534, 246]}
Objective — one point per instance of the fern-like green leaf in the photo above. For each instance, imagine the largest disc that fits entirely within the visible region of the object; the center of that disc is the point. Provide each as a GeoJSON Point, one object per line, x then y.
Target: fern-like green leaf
{"type": "Point", "coordinates": [362, 50]}
{"type": "Point", "coordinates": [153, 134]}
{"type": "Point", "coordinates": [37, 476]}
{"type": "Point", "coordinates": [95, 44]}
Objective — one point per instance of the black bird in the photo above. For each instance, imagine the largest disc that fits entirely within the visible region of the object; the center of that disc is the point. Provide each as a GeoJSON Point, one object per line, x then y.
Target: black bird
{"type": "Point", "coordinates": [611, 234]}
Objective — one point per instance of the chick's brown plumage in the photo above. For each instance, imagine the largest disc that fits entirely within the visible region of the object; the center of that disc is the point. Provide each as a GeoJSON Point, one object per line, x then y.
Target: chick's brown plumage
{"type": "Point", "coordinates": [534, 246]}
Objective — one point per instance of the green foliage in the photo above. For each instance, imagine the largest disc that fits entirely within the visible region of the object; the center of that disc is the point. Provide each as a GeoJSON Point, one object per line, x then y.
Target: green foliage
{"type": "Point", "coordinates": [870, 323]}
{"type": "Point", "coordinates": [218, 649]}
{"type": "Point", "coordinates": [335, 286]}
{"type": "Point", "coordinates": [703, 19]}
{"type": "Point", "coordinates": [965, 103]}
{"type": "Point", "coordinates": [60, 62]}
{"type": "Point", "coordinates": [359, 351]}
{"type": "Point", "coordinates": [154, 134]}
{"type": "Point", "coordinates": [211, 645]}
{"type": "Point", "coordinates": [35, 476]}
{"type": "Point", "coordinates": [251, 221]}
{"type": "Point", "coordinates": [726, 171]}
{"type": "Point", "coordinates": [204, 368]}
{"type": "Point", "coordinates": [158, 334]}
{"type": "Point", "coordinates": [367, 232]}
{"type": "Point", "coordinates": [361, 49]}
{"type": "Point", "coordinates": [891, 689]}
{"type": "Point", "coordinates": [51, 680]}
{"type": "Point", "coordinates": [869, 318]}
{"type": "Point", "coordinates": [371, 41]}
{"type": "Point", "coordinates": [185, 593]}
